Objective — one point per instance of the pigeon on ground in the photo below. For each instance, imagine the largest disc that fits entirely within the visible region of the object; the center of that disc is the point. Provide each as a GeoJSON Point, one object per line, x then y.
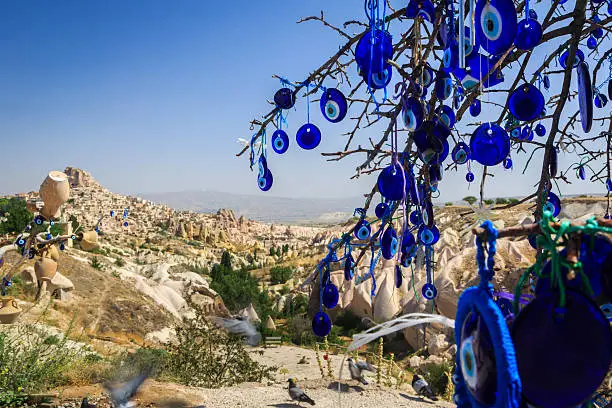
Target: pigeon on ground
{"type": "Point", "coordinates": [85, 404]}
{"type": "Point", "coordinates": [121, 395]}
{"type": "Point", "coordinates": [422, 387]}
{"type": "Point", "coordinates": [356, 370]}
{"type": "Point", "coordinates": [298, 394]}
{"type": "Point", "coordinates": [240, 328]}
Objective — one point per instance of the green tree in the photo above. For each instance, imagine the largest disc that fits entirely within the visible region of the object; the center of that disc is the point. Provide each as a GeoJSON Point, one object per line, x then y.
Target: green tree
{"type": "Point", "coordinates": [501, 200]}
{"type": "Point", "coordinates": [489, 202]}
{"type": "Point", "coordinates": [280, 274]}
{"type": "Point", "coordinates": [16, 214]}
{"type": "Point", "coordinates": [226, 260]}
{"type": "Point", "coordinates": [470, 199]}
{"type": "Point", "coordinates": [272, 251]}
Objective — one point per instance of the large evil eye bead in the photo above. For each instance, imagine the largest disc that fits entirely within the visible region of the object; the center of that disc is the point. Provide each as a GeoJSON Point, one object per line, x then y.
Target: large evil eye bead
{"type": "Point", "coordinates": [446, 116]}
{"type": "Point", "coordinates": [526, 102]}
{"type": "Point", "coordinates": [265, 182]}
{"type": "Point", "coordinates": [363, 230]}
{"type": "Point", "coordinates": [496, 25]}
{"type": "Point", "coordinates": [333, 105]}
{"type": "Point", "coordinates": [578, 58]}
{"type": "Point", "coordinates": [429, 291]}
{"type": "Point", "coordinates": [412, 113]}
{"type": "Point", "coordinates": [475, 108]}
{"type": "Point", "coordinates": [308, 136]}
{"type": "Point", "coordinates": [280, 141]}
{"type": "Point", "coordinates": [428, 236]}
{"type": "Point", "coordinates": [284, 98]}
{"type": "Point", "coordinates": [553, 204]}
{"type": "Point", "coordinates": [389, 243]}
{"type": "Point", "coordinates": [477, 359]}
{"type": "Point", "coordinates": [444, 86]}
{"type": "Point", "coordinates": [379, 80]}
{"type": "Point", "coordinates": [330, 296]}
{"type": "Point", "coordinates": [461, 153]}
{"type": "Point", "coordinates": [321, 324]}
{"type": "Point", "coordinates": [528, 35]}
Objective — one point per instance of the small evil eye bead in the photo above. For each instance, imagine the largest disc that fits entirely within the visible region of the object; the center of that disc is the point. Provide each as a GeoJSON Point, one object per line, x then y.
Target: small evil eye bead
{"type": "Point", "coordinates": [507, 163]}
{"type": "Point", "coordinates": [581, 173]}
{"type": "Point", "coordinates": [62, 247]}
{"type": "Point", "coordinates": [592, 43]}
{"type": "Point", "coordinates": [363, 230]}
{"type": "Point", "coordinates": [49, 236]}
{"type": "Point", "coordinates": [600, 100]}
{"type": "Point", "coordinates": [598, 32]}
{"type": "Point", "coordinates": [475, 108]}
{"type": "Point", "coordinates": [456, 379]}
{"type": "Point", "coordinates": [540, 130]}
{"type": "Point", "coordinates": [280, 141]}
{"type": "Point", "coordinates": [469, 177]}
{"type": "Point", "coordinates": [28, 227]}
{"type": "Point", "coordinates": [112, 213]}
{"type": "Point", "coordinates": [429, 291]}
{"type": "Point", "coordinates": [38, 220]}
{"type": "Point", "coordinates": [516, 133]}
{"type": "Point", "coordinates": [126, 224]}
{"type": "Point", "coordinates": [31, 254]}
{"type": "Point", "coordinates": [52, 223]}
{"type": "Point", "coordinates": [546, 82]}
{"type": "Point", "coordinates": [20, 242]}
{"type": "Point", "coordinates": [73, 237]}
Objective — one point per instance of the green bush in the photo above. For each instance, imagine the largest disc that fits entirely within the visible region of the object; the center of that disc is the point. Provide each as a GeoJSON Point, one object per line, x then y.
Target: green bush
{"type": "Point", "coordinates": [95, 263]}
{"type": "Point", "coordinates": [16, 214]}
{"type": "Point", "coordinates": [119, 262]}
{"type": "Point", "coordinates": [32, 362]}
{"type": "Point", "coordinates": [512, 201]}
{"type": "Point", "coordinates": [500, 200]}
{"type": "Point", "coordinates": [204, 357]}
{"type": "Point", "coordinates": [489, 202]}
{"type": "Point", "coordinates": [448, 204]}
{"type": "Point", "coordinates": [470, 199]}
{"type": "Point", "coordinates": [437, 375]}
{"type": "Point", "coordinates": [280, 274]}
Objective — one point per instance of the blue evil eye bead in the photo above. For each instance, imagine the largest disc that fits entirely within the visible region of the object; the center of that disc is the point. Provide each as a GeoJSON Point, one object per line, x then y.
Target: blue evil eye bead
{"type": "Point", "coordinates": [379, 80]}
{"type": "Point", "coordinates": [380, 210]}
{"type": "Point", "coordinates": [591, 43]}
{"type": "Point", "coordinates": [475, 107]}
{"type": "Point", "coordinates": [516, 133]}
{"type": "Point", "coordinates": [31, 254]}
{"type": "Point", "coordinates": [600, 100]}
{"type": "Point", "coordinates": [330, 296]}
{"type": "Point", "coordinates": [478, 67]}
{"type": "Point", "coordinates": [427, 213]}
{"type": "Point", "coordinates": [450, 58]}
{"type": "Point", "coordinates": [546, 81]}
{"type": "Point", "coordinates": [526, 133]}
{"type": "Point", "coordinates": [73, 237]}
{"type": "Point", "coordinates": [333, 105]}
{"type": "Point", "coordinates": [280, 141]}
{"type": "Point", "coordinates": [265, 182]}
{"type": "Point", "coordinates": [585, 96]}
{"type": "Point", "coordinates": [533, 14]}
{"type": "Point", "coordinates": [597, 32]}
{"type": "Point", "coordinates": [429, 291]}
{"type": "Point", "coordinates": [477, 359]}
{"type": "Point", "coordinates": [389, 243]}
{"type": "Point", "coordinates": [51, 223]}
{"type": "Point", "coordinates": [284, 98]}
{"type": "Point", "coordinates": [38, 220]}
{"type": "Point", "coordinates": [412, 113]}
{"type": "Point", "coordinates": [363, 230]}
{"type": "Point", "coordinates": [373, 50]}
{"type": "Point", "coordinates": [540, 130]}
{"type": "Point", "coordinates": [112, 213]}
{"type": "Point", "coordinates": [126, 224]}
{"type": "Point", "coordinates": [262, 165]}
{"type": "Point", "coordinates": [507, 163]}
{"type": "Point", "coordinates": [321, 324]}
{"type": "Point", "coordinates": [539, 361]}
{"type": "Point", "coordinates": [48, 236]}
{"type": "Point", "coordinates": [578, 58]}
{"type": "Point", "coordinates": [526, 102]}
{"type": "Point", "coordinates": [428, 236]}
{"type": "Point", "coordinates": [426, 77]}
{"type": "Point", "coordinates": [489, 144]}
{"type": "Point", "coordinates": [415, 218]}
{"type": "Point", "coordinates": [469, 48]}
{"type": "Point", "coordinates": [399, 276]}
{"type": "Point", "coordinates": [609, 184]}
{"type": "Point", "coordinates": [532, 241]}
{"type": "Point", "coordinates": [97, 230]}
{"type": "Point", "coordinates": [461, 153]}
{"type": "Point", "coordinates": [496, 25]}
{"type": "Point", "coordinates": [581, 173]}
{"type": "Point", "coordinates": [444, 86]}
{"type": "Point", "coordinates": [62, 246]}
{"type": "Point", "coordinates": [421, 8]}
{"type": "Point", "coordinates": [308, 136]}
{"type": "Point", "coordinates": [446, 116]}
{"type": "Point", "coordinates": [349, 267]}
{"type": "Point", "coordinates": [469, 177]}
{"type": "Point", "coordinates": [408, 243]}
{"type": "Point", "coordinates": [528, 34]}
{"type": "Point", "coordinates": [21, 242]}
{"type": "Point", "coordinates": [391, 182]}
{"type": "Point", "coordinates": [553, 204]}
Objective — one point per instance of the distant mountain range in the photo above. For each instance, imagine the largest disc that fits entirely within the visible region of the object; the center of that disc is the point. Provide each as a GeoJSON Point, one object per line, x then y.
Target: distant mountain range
{"type": "Point", "coordinates": [262, 208]}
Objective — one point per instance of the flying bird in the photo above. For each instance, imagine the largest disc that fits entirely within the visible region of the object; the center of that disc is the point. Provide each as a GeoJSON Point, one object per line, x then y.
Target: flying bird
{"type": "Point", "coordinates": [240, 327]}
{"type": "Point", "coordinates": [422, 387]}
{"type": "Point", "coordinates": [298, 394]}
{"type": "Point", "coordinates": [356, 370]}
{"type": "Point", "coordinates": [121, 395]}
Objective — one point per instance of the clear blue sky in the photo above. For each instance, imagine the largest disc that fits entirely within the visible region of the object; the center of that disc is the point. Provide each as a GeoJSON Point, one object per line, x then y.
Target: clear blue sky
{"type": "Point", "coordinates": [150, 96]}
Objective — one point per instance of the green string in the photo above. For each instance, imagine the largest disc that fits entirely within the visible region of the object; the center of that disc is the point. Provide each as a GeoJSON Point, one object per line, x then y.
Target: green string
{"type": "Point", "coordinates": [549, 240]}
